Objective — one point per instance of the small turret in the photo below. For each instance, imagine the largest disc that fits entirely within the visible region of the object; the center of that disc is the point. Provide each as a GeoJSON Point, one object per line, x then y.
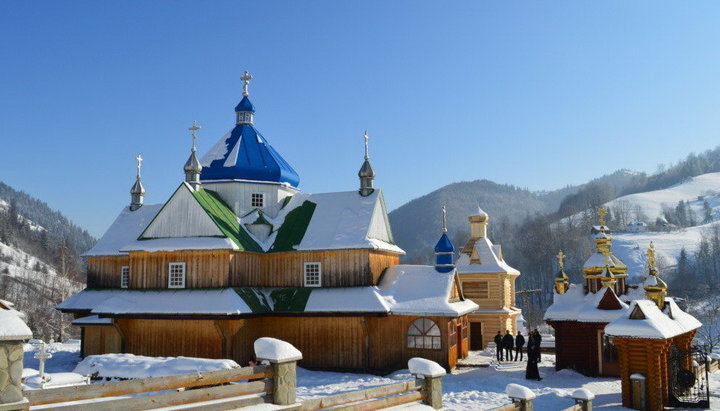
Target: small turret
{"type": "Point", "coordinates": [366, 173]}
{"type": "Point", "coordinates": [562, 282]}
{"type": "Point", "coordinates": [137, 192]}
{"type": "Point", "coordinates": [244, 111]}
{"type": "Point", "coordinates": [444, 250]}
{"type": "Point", "coordinates": [478, 224]}
{"type": "Point", "coordinates": [193, 168]}
{"type": "Point", "coordinates": [655, 287]}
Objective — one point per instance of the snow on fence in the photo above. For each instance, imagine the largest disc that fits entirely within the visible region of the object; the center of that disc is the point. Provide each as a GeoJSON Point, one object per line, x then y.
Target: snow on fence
{"type": "Point", "coordinates": [522, 399]}
{"type": "Point", "coordinates": [240, 387]}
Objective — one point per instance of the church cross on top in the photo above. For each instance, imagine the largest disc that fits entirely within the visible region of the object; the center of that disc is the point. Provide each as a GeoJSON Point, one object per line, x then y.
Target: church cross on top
{"type": "Point", "coordinates": [444, 221]}
{"type": "Point", "coordinates": [561, 260]}
{"type": "Point", "coordinates": [193, 130]}
{"type": "Point", "coordinates": [366, 137]}
{"type": "Point", "coordinates": [246, 82]}
{"type": "Point", "coordinates": [602, 212]}
{"type": "Point", "coordinates": [650, 254]}
{"type": "Point", "coordinates": [139, 160]}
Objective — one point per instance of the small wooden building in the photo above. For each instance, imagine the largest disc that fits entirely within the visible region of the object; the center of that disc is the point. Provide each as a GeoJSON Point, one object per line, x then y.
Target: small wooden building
{"type": "Point", "coordinates": [645, 339]}
{"type": "Point", "coordinates": [238, 252]}
{"type": "Point", "coordinates": [488, 281]}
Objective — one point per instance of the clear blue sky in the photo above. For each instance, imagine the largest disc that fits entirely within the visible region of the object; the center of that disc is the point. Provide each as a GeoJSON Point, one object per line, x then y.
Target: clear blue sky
{"type": "Point", "coordinates": [536, 94]}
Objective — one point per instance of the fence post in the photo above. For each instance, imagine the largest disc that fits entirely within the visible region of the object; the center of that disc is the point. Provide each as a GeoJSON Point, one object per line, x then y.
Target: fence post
{"type": "Point", "coordinates": [584, 398]}
{"type": "Point", "coordinates": [637, 391]}
{"type": "Point", "coordinates": [283, 358]}
{"type": "Point", "coordinates": [520, 395]}
{"type": "Point", "coordinates": [432, 373]}
{"type": "Point", "coordinates": [12, 333]}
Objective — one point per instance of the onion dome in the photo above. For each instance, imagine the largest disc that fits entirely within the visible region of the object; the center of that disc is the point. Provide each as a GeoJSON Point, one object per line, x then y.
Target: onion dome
{"type": "Point", "coordinates": [481, 215]}
{"type": "Point", "coordinates": [444, 250]}
{"type": "Point", "coordinates": [244, 154]}
{"type": "Point", "coordinates": [366, 173]}
{"type": "Point", "coordinates": [192, 167]}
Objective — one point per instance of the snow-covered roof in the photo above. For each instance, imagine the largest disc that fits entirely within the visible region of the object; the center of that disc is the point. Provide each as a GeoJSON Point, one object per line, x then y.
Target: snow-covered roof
{"type": "Point", "coordinates": [490, 256]}
{"type": "Point", "coordinates": [651, 322]}
{"type": "Point", "coordinates": [598, 260]}
{"type": "Point", "coordinates": [12, 327]}
{"type": "Point", "coordinates": [575, 305]}
{"type": "Point", "coordinates": [126, 228]}
{"type": "Point", "coordinates": [181, 243]}
{"type": "Point", "coordinates": [421, 290]}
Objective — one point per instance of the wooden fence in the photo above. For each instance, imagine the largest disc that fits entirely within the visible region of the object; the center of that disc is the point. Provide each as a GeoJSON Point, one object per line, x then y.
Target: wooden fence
{"type": "Point", "coordinates": [522, 400]}
{"type": "Point", "coordinates": [235, 388]}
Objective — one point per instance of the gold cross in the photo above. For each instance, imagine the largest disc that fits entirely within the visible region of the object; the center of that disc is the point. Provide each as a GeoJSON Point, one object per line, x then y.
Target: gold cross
{"type": "Point", "coordinates": [561, 260]}
{"type": "Point", "coordinates": [650, 254]}
{"type": "Point", "coordinates": [602, 212]}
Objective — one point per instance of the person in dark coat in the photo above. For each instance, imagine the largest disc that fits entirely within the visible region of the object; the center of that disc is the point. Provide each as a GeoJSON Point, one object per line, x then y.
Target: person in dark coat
{"type": "Point", "coordinates": [499, 346]}
{"type": "Point", "coordinates": [519, 344]}
{"type": "Point", "coordinates": [533, 350]}
{"type": "Point", "coordinates": [508, 342]}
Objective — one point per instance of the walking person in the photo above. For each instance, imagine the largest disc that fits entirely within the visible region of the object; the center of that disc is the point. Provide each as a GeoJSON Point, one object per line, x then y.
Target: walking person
{"type": "Point", "coordinates": [533, 358]}
{"type": "Point", "coordinates": [519, 344]}
{"type": "Point", "coordinates": [499, 347]}
{"type": "Point", "coordinates": [508, 342]}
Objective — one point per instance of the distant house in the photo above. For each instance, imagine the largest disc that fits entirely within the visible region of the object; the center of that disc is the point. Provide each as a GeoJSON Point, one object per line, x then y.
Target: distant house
{"type": "Point", "coordinates": [239, 252]}
{"type": "Point", "coordinates": [636, 227]}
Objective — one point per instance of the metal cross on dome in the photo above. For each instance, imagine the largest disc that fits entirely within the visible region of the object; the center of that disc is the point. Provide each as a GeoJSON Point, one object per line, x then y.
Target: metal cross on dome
{"type": "Point", "coordinates": [444, 213]}
{"type": "Point", "coordinates": [650, 254]}
{"type": "Point", "coordinates": [602, 212]}
{"type": "Point", "coordinates": [246, 82]}
{"type": "Point", "coordinates": [195, 127]}
{"type": "Point", "coordinates": [366, 137]}
{"type": "Point", "coordinates": [561, 260]}
{"type": "Point", "coordinates": [139, 160]}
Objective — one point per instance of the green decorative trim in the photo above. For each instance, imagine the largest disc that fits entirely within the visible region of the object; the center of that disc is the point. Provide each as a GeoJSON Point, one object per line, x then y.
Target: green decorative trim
{"type": "Point", "coordinates": [225, 219]}
{"type": "Point", "coordinates": [291, 233]}
{"type": "Point", "coordinates": [278, 300]}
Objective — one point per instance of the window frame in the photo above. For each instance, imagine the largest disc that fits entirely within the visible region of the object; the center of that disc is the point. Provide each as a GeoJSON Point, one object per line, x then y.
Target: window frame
{"type": "Point", "coordinates": [254, 197]}
{"type": "Point", "coordinates": [319, 274]}
{"type": "Point", "coordinates": [170, 274]}
{"type": "Point", "coordinates": [426, 337]}
{"type": "Point", "coordinates": [125, 276]}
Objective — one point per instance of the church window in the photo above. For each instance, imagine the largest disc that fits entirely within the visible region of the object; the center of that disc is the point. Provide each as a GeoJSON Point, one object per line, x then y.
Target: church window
{"type": "Point", "coordinates": [476, 289]}
{"type": "Point", "coordinates": [124, 276]}
{"type": "Point", "coordinates": [176, 277]}
{"type": "Point", "coordinates": [257, 200]}
{"type": "Point", "coordinates": [424, 334]}
{"type": "Point", "coordinates": [313, 273]}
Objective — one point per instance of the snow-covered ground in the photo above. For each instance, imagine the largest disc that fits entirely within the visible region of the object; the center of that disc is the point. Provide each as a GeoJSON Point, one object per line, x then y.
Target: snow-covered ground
{"type": "Point", "coordinates": [464, 389]}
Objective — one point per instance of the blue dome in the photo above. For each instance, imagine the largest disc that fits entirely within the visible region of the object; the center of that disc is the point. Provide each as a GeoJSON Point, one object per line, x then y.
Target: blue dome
{"type": "Point", "coordinates": [245, 154]}
{"type": "Point", "coordinates": [444, 245]}
{"type": "Point", "coordinates": [245, 105]}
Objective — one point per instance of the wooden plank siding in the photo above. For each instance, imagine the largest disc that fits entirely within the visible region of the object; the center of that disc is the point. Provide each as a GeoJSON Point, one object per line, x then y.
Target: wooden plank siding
{"type": "Point", "coordinates": [171, 338]}
{"type": "Point", "coordinates": [223, 268]}
{"type": "Point", "coordinates": [100, 340]}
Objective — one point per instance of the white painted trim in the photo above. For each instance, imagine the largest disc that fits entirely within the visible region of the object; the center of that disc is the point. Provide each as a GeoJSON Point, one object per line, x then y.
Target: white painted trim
{"type": "Point", "coordinates": [305, 268]}
{"type": "Point", "coordinates": [125, 276]}
{"type": "Point", "coordinates": [184, 274]}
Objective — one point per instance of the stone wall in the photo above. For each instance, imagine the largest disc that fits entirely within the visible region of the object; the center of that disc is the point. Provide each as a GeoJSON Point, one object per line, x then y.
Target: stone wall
{"type": "Point", "coordinates": [11, 366]}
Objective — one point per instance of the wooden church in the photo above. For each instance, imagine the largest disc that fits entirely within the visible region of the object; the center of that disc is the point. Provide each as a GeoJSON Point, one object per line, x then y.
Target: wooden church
{"type": "Point", "coordinates": [238, 252]}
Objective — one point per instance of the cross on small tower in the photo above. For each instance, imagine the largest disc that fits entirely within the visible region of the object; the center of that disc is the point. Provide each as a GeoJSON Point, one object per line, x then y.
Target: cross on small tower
{"type": "Point", "coordinates": [444, 220]}
{"type": "Point", "coordinates": [366, 137]}
{"type": "Point", "coordinates": [139, 160]}
{"type": "Point", "coordinates": [602, 212]}
{"type": "Point", "coordinates": [561, 260]}
{"type": "Point", "coordinates": [650, 254]}
{"type": "Point", "coordinates": [195, 127]}
{"type": "Point", "coordinates": [246, 82]}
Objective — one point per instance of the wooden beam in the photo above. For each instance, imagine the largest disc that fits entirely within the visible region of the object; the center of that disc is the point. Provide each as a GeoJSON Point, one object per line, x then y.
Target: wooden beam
{"type": "Point", "coordinates": [149, 402]}
{"type": "Point", "coordinates": [361, 395]}
{"type": "Point", "coordinates": [381, 403]}
{"type": "Point", "coordinates": [111, 389]}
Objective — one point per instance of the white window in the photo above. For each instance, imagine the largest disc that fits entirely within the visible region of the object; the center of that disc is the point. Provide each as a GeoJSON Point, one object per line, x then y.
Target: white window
{"type": "Point", "coordinates": [257, 200]}
{"type": "Point", "coordinates": [312, 274]}
{"type": "Point", "coordinates": [425, 334]}
{"type": "Point", "coordinates": [124, 276]}
{"type": "Point", "coordinates": [176, 275]}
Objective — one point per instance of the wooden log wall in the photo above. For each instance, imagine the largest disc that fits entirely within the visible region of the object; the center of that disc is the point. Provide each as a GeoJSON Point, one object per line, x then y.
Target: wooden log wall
{"type": "Point", "coordinates": [577, 345]}
{"type": "Point", "coordinates": [648, 357]}
{"type": "Point", "coordinates": [100, 340]}
{"type": "Point", "coordinates": [222, 268]}
{"type": "Point", "coordinates": [171, 338]}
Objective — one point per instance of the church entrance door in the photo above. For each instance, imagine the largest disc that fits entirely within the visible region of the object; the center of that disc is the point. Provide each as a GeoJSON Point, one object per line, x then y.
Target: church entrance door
{"type": "Point", "coordinates": [476, 336]}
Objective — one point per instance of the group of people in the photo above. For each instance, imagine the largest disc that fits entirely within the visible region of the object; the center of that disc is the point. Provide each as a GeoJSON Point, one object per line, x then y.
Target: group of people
{"type": "Point", "coordinates": [506, 345]}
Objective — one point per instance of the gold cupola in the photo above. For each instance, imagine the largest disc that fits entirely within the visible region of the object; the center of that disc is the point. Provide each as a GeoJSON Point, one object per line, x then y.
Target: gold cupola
{"type": "Point", "coordinates": [655, 287]}
{"type": "Point", "coordinates": [562, 282]}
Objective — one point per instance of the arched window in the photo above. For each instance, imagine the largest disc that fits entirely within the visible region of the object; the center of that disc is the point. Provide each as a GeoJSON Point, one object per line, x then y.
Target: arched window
{"type": "Point", "coordinates": [424, 333]}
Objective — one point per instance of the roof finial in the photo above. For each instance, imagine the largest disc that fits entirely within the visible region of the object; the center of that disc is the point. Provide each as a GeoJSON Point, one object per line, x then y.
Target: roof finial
{"type": "Point", "coordinates": [366, 137]}
{"type": "Point", "coordinates": [602, 212]}
{"type": "Point", "coordinates": [193, 130]}
{"type": "Point", "coordinates": [650, 255]}
{"type": "Point", "coordinates": [561, 260]}
{"type": "Point", "coordinates": [444, 221]}
{"type": "Point", "coordinates": [139, 160]}
{"type": "Point", "coordinates": [246, 82]}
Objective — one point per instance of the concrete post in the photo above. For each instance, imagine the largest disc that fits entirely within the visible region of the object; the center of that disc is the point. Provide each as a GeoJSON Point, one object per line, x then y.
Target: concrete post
{"type": "Point", "coordinates": [638, 392]}
{"type": "Point", "coordinates": [583, 398]}
{"type": "Point", "coordinates": [283, 358]}
{"type": "Point", "coordinates": [432, 373]}
{"type": "Point", "coordinates": [521, 396]}
{"type": "Point", "coordinates": [12, 333]}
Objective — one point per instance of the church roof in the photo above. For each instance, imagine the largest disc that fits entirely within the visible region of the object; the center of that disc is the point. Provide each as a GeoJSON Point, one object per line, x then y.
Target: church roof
{"type": "Point", "coordinates": [490, 256]}
{"type": "Point", "coordinates": [444, 245]}
{"type": "Point", "coordinates": [601, 307]}
{"type": "Point", "coordinates": [244, 154]}
{"type": "Point", "coordinates": [245, 105]}
{"type": "Point", "coordinates": [645, 320]}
